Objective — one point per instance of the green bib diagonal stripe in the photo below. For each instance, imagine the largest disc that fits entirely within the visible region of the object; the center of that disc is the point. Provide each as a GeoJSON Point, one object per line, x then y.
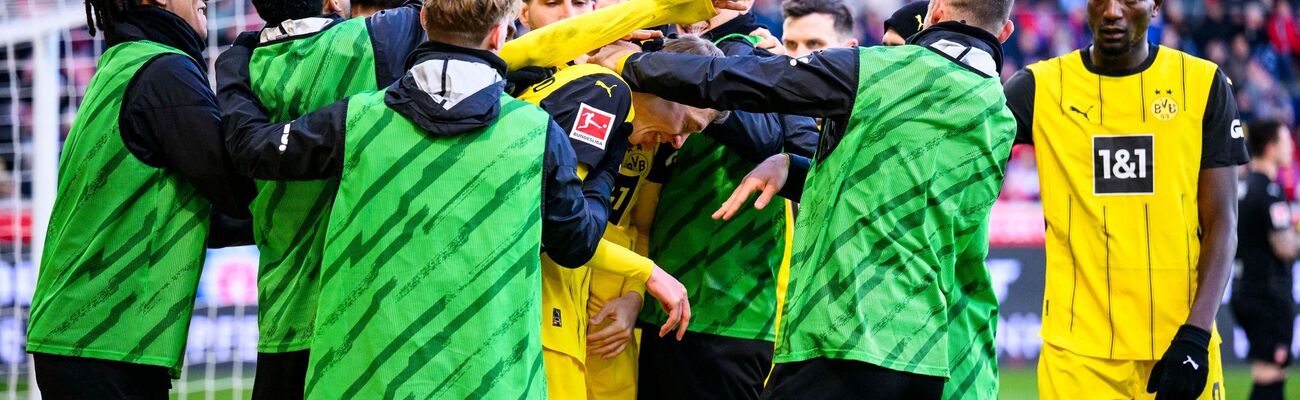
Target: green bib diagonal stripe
{"type": "Point", "coordinates": [432, 282]}
{"type": "Point", "coordinates": [728, 267]}
{"type": "Point", "coordinates": [293, 77]}
{"type": "Point", "coordinates": [126, 240]}
{"type": "Point", "coordinates": [883, 243]}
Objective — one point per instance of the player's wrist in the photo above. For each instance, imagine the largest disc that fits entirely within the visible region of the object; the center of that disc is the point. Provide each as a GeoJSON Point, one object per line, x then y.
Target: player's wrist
{"type": "Point", "coordinates": [1193, 335]}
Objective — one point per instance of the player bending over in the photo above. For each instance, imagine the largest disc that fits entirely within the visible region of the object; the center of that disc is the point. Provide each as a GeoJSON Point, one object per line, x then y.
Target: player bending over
{"type": "Point", "coordinates": [907, 171]}
{"type": "Point", "coordinates": [142, 170]}
{"type": "Point", "coordinates": [1138, 147]}
{"type": "Point", "coordinates": [729, 267]}
{"type": "Point", "coordinates": [593, 105]}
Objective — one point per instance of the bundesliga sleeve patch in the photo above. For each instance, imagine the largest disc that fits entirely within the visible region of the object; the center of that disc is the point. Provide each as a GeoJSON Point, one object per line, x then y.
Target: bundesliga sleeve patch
{"type": "Point", "coordinates": [592, 126]}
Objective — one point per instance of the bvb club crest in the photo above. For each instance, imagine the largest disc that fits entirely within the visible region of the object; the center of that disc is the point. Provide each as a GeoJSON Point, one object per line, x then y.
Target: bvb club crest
{"type": "Point", "coordinates": [1164, 107]}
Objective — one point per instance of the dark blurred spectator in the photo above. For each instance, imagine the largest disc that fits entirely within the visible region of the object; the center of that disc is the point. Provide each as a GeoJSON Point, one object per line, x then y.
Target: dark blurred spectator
{"type": "Point", "coordinates": [1281, 30]}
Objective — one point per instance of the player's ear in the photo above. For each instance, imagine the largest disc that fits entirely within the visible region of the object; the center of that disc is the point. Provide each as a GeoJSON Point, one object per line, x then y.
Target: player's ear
{"type": "Point", "coordinates": [1156, 6]}
{"type": "Point", "coordinates": [1007, 29]}
{"type": "Point", "coordinates": [934, 13]}
{"type": "Point", "coordinates": [851, 42]}
{"type": "Point", "coordinates": [523, 16]}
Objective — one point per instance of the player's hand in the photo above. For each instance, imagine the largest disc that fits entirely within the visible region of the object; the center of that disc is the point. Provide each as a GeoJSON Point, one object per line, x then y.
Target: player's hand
{"type": "Point", "coordinates": [769, 42]}
{"type": "Point", "coordinates": [672, 297]}
{"type": "Point", "coordinates": [612, 55]}
{"type": "Point", "coordinates": [643, 34]}
{"type": "Point", "coordinates": [1182, 372]}
{"type": "Point", "coordinates": [619, 315]}
{"type": "Point", "coordinates": [730, 5]}
{"type": "Point", "coordinates": [769, 176]}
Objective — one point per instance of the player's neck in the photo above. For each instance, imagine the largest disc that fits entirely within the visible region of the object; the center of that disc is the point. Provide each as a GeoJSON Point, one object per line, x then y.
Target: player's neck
{"type": "Point", "coordinates": [1264, 167]}
{"type": "Point", "coordinates": [1120, 62]}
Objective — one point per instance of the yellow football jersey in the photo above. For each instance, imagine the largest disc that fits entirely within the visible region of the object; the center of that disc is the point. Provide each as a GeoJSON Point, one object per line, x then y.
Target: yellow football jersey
{"type": "Point", "coordinates": [575, 96]}
{"type": "Point", "coordinates": [1119, 158]}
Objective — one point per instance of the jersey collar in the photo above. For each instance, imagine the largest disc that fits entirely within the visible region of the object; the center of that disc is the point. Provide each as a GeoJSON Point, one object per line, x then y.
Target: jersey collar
{"type": "Point", "coordinates": [1087, 62]}
{"type": "Point", "coordinates": [971, 47]}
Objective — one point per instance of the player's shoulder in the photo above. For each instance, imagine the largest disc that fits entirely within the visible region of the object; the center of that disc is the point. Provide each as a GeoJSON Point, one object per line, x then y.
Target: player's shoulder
{"type": "Point", "coordinates": [1185, 60]}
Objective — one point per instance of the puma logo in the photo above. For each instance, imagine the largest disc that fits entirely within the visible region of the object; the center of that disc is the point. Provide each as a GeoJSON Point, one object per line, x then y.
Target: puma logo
{"type": "Point", "coordinates": [1194, 364]}
{"type": "Point", "coordinates": [1083, 113]}
{"type": "Point", "coordinates": [608, 89]}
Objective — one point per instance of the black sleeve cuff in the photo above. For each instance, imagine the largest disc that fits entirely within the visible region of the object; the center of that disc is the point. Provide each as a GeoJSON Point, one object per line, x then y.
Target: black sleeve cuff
{"type": "Point", "coordinates": [795, 178]}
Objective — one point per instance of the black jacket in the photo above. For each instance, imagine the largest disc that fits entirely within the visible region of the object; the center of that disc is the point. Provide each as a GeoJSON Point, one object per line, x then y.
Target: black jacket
{"type": "Point", "coordinates": [756, 136]}
{"type": "Point", "coordinates": [574, 211]}
{"type": "Point", "coordinates": [169, 119]}
{"type": "Point", "coordinates": [823, 84]}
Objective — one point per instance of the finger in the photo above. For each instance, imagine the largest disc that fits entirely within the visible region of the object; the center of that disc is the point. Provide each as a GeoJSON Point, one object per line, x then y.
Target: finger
{"type": "Point", "coordinates": [674, 315]}
{"type": "Point", "coordinates": [686, 318]}
{"type": "Point", "coordinates": [608, 346]}
{"type": "Point", "coordinates": [616, 351]}
{"type": "Point", "coordinates": [730, 5]}
{"type": "Point", "coordinates": [1153, 382]}
{"type": "Point", "coordinates": [737, 199]}
{"type": "Point", "coordinates": [603, 334]}
{"type": "Point", "coordinates": [751, 185]}
{"type": "Point", "coordinates": [764, 198]}
{"type": "Point", "coordinates": [617, 337]}
{"type": "Point", "coordinates": [600, 316]}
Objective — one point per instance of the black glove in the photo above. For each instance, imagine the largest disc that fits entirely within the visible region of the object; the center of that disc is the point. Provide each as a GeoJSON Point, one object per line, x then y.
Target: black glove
{"type": "Point", "coordinates": [615, 149]}
{"type": "Point", "coordinates": [520, 80]}
{"type": "Point", "coordinates": [1182, 372]}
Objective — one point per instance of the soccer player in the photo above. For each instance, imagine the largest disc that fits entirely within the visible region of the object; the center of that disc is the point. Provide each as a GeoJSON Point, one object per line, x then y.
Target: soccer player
{"type": "Point", "coordinates": [143, 168]}
{"type": "Point", "coordinates": [904, 23]}
{"type": "Point", "coordinates": [1261, 297]}
{"type": "Point", "coordinates": [1138, 147]}
{"type": "Point", "coordinates": [812, 25]}
{"type": "Point", "coordinates": [730, 268]}
{"type": "Point", "coordinates": [445, 194]}
{"type": "Point", "coordinates": [910, 162]}
{"type": "Point", "coordinates": [428, 287]}
{"type": "Point", "coordinates": [590, 102]}
{"type": "Point", "coordinates": [298, 50]}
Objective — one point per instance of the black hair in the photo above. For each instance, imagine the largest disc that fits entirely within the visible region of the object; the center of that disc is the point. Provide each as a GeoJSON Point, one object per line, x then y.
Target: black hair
{"type": "Point", "coordinates": [835, 8]}
{"type": "Point", "coordinates": [1260, 134]}
{"type": "Point", "coordinates": [103, 14]}
{"type": "Point", "coordinates": [276, 11]}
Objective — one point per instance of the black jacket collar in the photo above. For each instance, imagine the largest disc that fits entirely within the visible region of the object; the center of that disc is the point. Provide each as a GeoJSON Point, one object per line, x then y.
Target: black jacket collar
{"type": "Point", "coordinates": [960, 33]}
{"type": "Point", "coordinates": [161, 26]}
{"type": "Point", "coordinates": [742, 25]}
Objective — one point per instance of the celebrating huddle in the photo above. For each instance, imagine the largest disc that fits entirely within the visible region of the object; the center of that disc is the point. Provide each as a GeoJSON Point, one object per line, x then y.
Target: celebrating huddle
{"type": "Point", "coordinates": [447, 209]}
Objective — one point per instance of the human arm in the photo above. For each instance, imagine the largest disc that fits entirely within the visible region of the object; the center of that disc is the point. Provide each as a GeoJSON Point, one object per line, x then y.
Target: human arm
{"type": "Point", "coordinates": [1019, 91]}
{"type": "Point", "coordinates": [1177, 374]}
{"type": "Point", "coordinates": [574, 210]}
{"type": "Point", "coordinates": [169, 119]}
{"type": "Point", "coordinates": [310, 147]}
{"type": "Point", "coordinates": [564, 41]}
{"type": "Point", "coordinates": [823, 84]}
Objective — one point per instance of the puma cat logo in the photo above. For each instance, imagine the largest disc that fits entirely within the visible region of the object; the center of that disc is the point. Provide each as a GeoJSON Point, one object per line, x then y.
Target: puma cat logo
{"type": "Point", "coordinates": [1083, 113]}
{"type": "Point", "coordinates": [1194, 364]}
{"type": "Point", "coordinates": [608, 89]}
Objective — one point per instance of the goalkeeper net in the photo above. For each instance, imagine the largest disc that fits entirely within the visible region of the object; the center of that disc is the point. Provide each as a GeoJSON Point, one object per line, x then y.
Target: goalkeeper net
{"type": "Point", "coordinates": [46, 61]}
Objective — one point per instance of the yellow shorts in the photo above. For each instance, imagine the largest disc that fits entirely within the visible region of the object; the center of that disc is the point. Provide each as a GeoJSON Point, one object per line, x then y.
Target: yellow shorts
{"type": "Point", "coordinates": [615, 378]}
{"type": "Point", "coordinates": [1063, 374]}
{"type": "Point", "coordinates": [565, 376]}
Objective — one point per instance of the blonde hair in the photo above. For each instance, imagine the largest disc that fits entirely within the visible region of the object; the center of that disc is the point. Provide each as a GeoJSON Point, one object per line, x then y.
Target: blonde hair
{"type": "Point", "coordinates": [466, 22]}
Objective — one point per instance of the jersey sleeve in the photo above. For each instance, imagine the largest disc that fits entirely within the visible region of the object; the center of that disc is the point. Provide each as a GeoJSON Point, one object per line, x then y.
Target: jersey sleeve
{"type": "Point", "coordinates": [589, 109]}
{"type": "Point", "coordinates": [619, 260]}
{"type": "Point", "coordinates": [1223, 143]}
{"type": "Point", "coordinates": [170, 120]}
{"type": "Point", "coordinates": [1020, 99]}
